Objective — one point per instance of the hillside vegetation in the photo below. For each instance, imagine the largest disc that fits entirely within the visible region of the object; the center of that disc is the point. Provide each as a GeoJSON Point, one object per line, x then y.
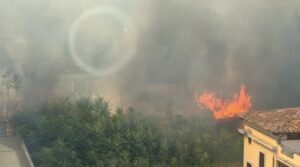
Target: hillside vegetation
{"type": "Point", "coordinates": [86, 134]}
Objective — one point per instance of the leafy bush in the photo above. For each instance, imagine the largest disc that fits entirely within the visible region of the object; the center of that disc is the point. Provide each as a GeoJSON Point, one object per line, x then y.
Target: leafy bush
{"type": "Point", "coordinates": [86, 134]}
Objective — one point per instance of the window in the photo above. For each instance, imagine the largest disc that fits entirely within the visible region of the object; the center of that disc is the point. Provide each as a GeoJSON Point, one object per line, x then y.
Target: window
{"type": "Point", "coordinates": [280, 164]}
{"type": "Point", "coordinates": [248, 164]}
{"type": "Point", "coordinates": [261, 159]}
{"type": "Point", "coordinates": [249, 140]}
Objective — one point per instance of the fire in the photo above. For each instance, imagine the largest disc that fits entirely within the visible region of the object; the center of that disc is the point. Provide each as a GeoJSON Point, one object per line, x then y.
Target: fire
{"type": "Point", "coordinates": [222, 109]}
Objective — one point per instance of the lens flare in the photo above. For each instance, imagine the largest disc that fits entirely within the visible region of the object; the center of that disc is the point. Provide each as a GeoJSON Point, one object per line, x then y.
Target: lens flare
{"type": "Point", "coordinates": [120, 51]}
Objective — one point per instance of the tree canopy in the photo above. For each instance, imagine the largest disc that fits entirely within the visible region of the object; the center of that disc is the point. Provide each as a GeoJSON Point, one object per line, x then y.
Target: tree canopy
{"type": "Point", "coordinates": [85, 133]}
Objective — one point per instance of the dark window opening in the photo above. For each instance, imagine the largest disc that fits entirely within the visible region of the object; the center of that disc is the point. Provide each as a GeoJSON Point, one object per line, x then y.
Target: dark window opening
{"type": "Point", "coordinates": [261, 159]}
{"type": "Point", "coordinates": [248, 164]}
{"type": "Point", "coordinates": [249, 140]}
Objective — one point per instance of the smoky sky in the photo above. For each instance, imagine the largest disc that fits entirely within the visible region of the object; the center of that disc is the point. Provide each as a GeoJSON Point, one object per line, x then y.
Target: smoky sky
{"type": "Point", "coordinates": [183, 47]}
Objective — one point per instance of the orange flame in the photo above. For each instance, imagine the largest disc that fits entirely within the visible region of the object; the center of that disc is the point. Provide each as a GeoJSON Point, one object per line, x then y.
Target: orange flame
{"type": "Point", "coordinates": [222, 109]}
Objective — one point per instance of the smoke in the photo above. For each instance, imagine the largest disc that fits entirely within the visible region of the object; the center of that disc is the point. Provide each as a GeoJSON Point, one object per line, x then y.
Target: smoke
{"type": "Point", "coordinates": [195, 46]}
{"type": "Point", "coordinates": [183, 47]}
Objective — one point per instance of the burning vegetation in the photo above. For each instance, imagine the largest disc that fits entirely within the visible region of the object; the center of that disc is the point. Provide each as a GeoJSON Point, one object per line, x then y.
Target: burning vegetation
{"type": "Point", "coordinates": [149, 55]}
{"type": "Point", "coordinates": [223, 109]}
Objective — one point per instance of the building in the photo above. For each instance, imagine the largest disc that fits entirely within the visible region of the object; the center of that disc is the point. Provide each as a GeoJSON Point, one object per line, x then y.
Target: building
{"type": "Point", "coordinates": [13, 151]}
{"type": "Point", "coordinates": [272, 138]}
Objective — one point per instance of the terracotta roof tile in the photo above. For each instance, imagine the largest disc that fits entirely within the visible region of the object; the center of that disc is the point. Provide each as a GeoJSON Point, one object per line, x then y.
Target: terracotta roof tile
{"type": "Point", "coordinates": [277, 121]}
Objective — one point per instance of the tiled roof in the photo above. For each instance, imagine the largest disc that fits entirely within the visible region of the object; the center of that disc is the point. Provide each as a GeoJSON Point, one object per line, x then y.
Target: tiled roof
{"type": "Point", "coordinates": [277, 121]}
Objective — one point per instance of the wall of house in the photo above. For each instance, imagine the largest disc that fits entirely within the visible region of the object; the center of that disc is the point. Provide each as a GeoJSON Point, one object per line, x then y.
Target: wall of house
{"type": "Point", "coordinates": [263, 143]}
{"type": "Point", "coordinates": [252, 150]}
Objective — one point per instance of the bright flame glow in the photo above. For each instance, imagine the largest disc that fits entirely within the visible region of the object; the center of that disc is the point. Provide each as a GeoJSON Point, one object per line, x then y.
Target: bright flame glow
{"type": "Point", "coordinates": [223, 109]}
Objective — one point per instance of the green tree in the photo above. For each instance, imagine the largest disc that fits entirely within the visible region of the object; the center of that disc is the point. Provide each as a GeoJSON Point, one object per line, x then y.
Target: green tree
{"type": "Point", "coordinates": [85, 134]}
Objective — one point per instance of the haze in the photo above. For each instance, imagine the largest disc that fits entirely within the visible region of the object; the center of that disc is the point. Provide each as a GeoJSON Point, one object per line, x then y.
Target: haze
{"type": "Point", "coordinates": [175, 48]}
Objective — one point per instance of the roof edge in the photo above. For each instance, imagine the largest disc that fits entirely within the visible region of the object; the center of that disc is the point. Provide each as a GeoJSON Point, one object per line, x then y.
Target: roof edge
{"type": "Point", "coordinates": [261, 130]}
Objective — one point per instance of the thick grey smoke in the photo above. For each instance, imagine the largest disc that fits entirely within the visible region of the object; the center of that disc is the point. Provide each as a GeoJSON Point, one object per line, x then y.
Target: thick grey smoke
{"type": "Point", "coordinates": [183, 47]}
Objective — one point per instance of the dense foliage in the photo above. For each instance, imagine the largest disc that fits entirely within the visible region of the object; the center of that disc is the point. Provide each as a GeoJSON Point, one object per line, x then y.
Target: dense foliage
{"type": "Point", "coordinates": [86, 134]}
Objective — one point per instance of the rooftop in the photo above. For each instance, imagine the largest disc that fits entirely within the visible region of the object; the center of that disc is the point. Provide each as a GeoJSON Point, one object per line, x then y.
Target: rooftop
{"type": "Point", "coordinates": [12, 153]}
{"type": "Point", "coordinates": [291, 146]}
{"type": "Point", "coordinates": [276, 121]}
